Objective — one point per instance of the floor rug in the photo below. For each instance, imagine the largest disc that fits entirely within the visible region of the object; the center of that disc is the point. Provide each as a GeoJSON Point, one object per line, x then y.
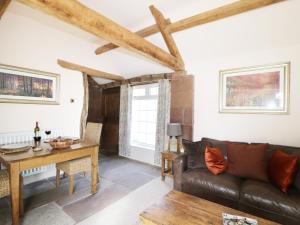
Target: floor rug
{"type": "Point", "coordinates": [126, 211]}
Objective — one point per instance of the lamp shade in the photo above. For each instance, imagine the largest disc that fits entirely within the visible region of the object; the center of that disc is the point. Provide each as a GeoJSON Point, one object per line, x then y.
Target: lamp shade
{"type": "Point", "coordinates": [174, 129]}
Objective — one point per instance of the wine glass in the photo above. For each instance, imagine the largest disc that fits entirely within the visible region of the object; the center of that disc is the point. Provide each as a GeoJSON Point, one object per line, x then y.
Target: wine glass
{"type": "Point", "coordinates": [47, 132]}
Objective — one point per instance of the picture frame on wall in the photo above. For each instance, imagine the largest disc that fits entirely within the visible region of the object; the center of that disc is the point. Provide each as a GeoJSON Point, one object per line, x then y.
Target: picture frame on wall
{"type": "Point", "coordinates": [257, 89]}
{"type": "Point", "coordinates": [27, 86]}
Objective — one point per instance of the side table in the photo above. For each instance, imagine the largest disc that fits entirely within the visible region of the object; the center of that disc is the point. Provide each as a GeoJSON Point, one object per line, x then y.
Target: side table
{"type": "Point", "coordinates": [169, 157]}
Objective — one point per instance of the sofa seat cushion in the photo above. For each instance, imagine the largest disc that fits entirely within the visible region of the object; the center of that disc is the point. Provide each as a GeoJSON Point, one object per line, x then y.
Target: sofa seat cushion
{"type": "Point", "coordinates": [265, 196]}
{"type": "Point", "coordinates": [201, 180]}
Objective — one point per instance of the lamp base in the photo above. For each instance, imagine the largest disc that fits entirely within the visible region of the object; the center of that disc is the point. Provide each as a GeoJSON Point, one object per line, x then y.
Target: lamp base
{"type": "Point", "coordinates": [175, 144]}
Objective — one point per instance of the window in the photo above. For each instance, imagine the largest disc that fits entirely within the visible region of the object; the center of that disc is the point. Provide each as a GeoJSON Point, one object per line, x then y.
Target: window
{"type": "Point", "coordinates": [143, 116]}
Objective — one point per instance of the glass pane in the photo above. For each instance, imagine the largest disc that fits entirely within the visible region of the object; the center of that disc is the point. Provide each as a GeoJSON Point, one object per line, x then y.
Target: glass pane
{"type": "Point", "coordinates": [154, 91]}
{"type": "Point", "coordinates": [143, 116]}
{"type": "Point", "coordinates": [138, 92]}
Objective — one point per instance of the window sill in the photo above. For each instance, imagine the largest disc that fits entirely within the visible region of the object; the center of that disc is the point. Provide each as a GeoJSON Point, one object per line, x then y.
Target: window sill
{"type": "Point", "coordinates": [142, 147]}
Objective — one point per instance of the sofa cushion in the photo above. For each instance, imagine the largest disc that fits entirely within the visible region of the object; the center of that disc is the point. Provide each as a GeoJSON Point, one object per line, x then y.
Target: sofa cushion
{"type": "Point", "coordinates": [195, 153]}
{"type": "Point", "coordinates": [267, 197]}
{"type": "Point", "coordinates": [224, 185]}
{"type": "Point", "coordinates": [218, 144]}
{"type": "Point", "coordinates": [215, 161]}
{"type": "Point", "coordinates": [282, 169]}
{"type": "Point", "coordinates": [248, 160]}
{"type": "Point", "coordinates": [288, 150]}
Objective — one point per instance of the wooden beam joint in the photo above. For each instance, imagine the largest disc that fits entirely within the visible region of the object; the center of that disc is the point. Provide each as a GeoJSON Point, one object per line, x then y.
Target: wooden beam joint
{"type": "Point", "coordinates": [77, 14]}
{"type": "Point", "coordinates": [163, 27]}
{"type": "Point", "coordinates": [3, 6]}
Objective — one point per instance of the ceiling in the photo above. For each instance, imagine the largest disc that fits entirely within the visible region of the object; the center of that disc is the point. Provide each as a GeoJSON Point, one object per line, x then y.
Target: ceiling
{"type": "Point", "coordinates": [132, 14]}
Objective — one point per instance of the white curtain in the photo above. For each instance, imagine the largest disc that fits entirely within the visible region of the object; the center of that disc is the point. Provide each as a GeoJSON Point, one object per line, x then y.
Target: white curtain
{"type": "Point", "coordinates": [125, 120]}
{"type": "Point", "coordinates": [163, 118]}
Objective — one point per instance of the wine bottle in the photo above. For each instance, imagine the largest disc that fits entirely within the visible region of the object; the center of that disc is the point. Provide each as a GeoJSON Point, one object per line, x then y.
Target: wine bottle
{"type": "Point", "coordinates": [37, 129]}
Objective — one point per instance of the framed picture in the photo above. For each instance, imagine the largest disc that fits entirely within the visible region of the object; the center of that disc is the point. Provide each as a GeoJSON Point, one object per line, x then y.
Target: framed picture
{"type": "Point", "coordinates": [259, 89]}
{"type": "Point", "coordinates": [20, 85]}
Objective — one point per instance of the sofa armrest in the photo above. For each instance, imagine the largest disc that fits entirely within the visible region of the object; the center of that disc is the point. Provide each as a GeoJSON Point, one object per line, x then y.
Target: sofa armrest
{"type": "Point", "coordinates": [180, 165]}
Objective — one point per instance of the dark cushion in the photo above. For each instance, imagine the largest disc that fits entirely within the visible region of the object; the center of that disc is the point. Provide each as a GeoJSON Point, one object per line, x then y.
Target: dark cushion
{"type": "Point", "coordinates": [224, 185]}
{"type": "Point", "coordinates": [266, 197]}
{"type": "Point", "coordinates": [195, 153]}
{"type": "Point", "coordinates": [297, 179]}
{"type": "Point", "coordinates": [248, 160]}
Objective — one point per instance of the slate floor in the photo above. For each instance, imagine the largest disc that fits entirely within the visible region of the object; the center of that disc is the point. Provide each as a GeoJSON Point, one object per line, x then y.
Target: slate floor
{"type": "Point", "coordinates": [119, 177]}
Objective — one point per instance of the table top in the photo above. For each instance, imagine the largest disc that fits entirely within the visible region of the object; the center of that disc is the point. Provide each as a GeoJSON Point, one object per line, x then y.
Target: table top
{"type": "Point", "coordinates": [178, 208]}
{"type": "Point", "coordinates": [46, 150]}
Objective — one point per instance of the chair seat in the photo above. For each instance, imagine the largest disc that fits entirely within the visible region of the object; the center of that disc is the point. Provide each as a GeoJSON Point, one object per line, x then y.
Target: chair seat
{"type": "Point", "coordinates": [75, 166]}
{"type": "Point", "coordinates": [4, 183]}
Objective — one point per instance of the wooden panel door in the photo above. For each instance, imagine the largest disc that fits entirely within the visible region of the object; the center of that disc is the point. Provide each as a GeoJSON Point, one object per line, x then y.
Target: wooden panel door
{"type": "Point", "coordinates": [111, 112]}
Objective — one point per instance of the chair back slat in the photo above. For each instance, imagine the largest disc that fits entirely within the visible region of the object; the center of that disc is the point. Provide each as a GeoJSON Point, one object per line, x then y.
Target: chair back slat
{"type": "Point", "coordinates": [93, 132]}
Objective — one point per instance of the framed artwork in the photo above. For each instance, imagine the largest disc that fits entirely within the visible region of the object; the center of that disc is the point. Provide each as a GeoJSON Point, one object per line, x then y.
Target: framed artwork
{"type": "Point", "coordinates": [20, 85]}
{"type": "Point", "coordinates": [258, 89]}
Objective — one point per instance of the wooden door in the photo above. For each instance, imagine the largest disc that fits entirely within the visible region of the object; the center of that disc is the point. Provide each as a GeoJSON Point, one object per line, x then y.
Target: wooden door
{"type": "Point", "coordinates": [111, 112]}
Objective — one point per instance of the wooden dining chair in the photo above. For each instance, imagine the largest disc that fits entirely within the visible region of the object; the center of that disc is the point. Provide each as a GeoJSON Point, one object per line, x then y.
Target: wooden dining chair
{"type": "Point", "coordinates": [5, 188]}
{"type": "Point", "coordinates": [72, 167]}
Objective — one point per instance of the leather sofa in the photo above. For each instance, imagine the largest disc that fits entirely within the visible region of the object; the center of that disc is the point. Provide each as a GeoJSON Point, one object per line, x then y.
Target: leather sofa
{"type": "Point", "coordinates": [255, 197]}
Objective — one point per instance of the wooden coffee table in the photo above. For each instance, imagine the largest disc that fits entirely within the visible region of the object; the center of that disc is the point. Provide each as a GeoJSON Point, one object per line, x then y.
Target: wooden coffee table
{"type": "Point", "coordinates": [178, 208]}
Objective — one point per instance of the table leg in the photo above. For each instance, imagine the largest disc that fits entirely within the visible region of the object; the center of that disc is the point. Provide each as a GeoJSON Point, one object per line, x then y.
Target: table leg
{"type": "Point", "coordinates": [71, 184]}
{"type": "Point", "coordinates": [14, 172]}
{"type": "Point", "coordinates": [21, 201]}
{"type": "Point", "coordinates": [169, 166]}
{"type": "Point", "coordinates": [162, 168]}
{"type": "Point", "coordinates": [94, 159]}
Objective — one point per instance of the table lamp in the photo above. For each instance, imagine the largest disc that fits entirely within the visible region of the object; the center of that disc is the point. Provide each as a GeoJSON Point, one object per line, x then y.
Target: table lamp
{"type": "Point", "coordinates": [174, 131]}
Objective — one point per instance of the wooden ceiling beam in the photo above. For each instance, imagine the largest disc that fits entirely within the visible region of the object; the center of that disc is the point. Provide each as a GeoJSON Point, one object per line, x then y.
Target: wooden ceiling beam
{"type": "Point", "coordinates": [75, 13]}
{"type": "Point", "coordinates": [214, 15]}
{"type": "Point", "coordinates": [89, 71]}
{"type": "Point", "coordinates": [163, 27]}
{"type": "Point", "coordinates": [222, 12]}
{"type": "Point", "coordinates": [148, 31]}
{"type": "Point", "coordinates": [3, 6]}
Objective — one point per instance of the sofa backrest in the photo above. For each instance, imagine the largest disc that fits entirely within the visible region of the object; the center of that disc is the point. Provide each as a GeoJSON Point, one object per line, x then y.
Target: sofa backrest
{"type": "Point", "coordinates": [195, 152]}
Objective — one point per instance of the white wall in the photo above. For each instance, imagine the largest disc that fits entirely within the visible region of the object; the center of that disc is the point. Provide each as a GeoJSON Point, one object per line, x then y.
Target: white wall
{"type": "Point", "coordinates": [278, 129]}
{"type": "Point", "coordinates": [31, 43]}
{"type": "Point", "coordinates": [264, 36]}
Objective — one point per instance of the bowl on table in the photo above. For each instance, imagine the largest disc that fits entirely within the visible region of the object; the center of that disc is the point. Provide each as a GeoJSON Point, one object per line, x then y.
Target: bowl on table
{"type": "Point", "coordinates": [61, 143]}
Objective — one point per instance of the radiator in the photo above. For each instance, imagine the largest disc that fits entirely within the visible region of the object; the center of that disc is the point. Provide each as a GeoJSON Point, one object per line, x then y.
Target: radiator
{"type": "Point", "coordinates": [19, 137]}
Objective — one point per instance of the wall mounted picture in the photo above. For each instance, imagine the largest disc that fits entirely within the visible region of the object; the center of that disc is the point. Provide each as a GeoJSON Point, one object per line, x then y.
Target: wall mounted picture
{"type": "Point", "coordinates": [20, 85]}
{"type": "Point", "coordinates": [259, 89]}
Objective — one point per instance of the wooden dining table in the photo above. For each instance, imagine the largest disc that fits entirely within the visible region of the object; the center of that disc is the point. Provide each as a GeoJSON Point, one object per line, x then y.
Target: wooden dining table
{"type": "Point", "coordinates": [18, 162]}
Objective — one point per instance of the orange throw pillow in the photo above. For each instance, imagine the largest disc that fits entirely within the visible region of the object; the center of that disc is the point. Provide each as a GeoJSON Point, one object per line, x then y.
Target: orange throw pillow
{"type": "Point", "coordinates": [282, 169]}
{"type": "Point", "coordinates": [215, 161]}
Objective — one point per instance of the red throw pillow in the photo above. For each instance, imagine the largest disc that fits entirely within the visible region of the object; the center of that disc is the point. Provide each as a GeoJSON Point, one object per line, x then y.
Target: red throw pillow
{"type": "Point", "coordinates": [248, 160]}
{"type": "Point", "coordinates": [215, 161]}
{"type": "Point", "coordinates": [282, 169]}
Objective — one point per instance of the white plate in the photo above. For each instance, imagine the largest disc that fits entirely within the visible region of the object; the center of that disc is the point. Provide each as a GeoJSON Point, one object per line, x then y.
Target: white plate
{"type": "Point", "coordinates": [14, 146]}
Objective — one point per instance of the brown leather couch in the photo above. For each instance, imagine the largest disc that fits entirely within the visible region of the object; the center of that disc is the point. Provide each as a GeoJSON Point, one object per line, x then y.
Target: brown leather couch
{"type": "Point", "coordinates": [255, 197]}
